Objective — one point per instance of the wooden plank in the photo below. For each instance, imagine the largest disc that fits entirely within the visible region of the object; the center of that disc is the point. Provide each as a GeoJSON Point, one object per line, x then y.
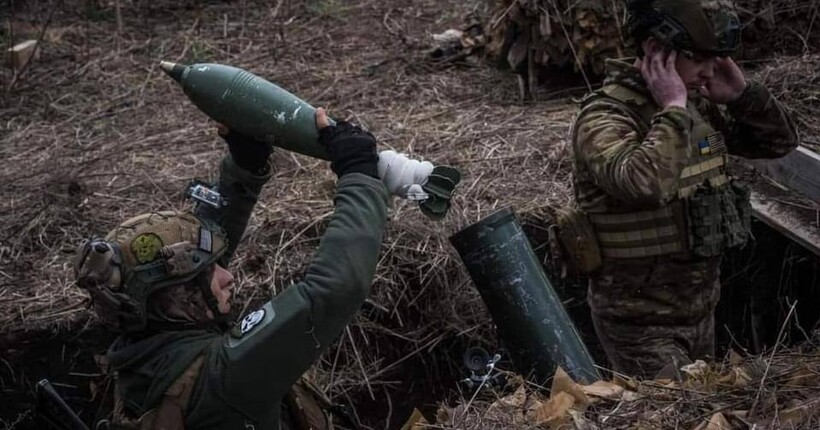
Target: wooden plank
{"type": "Point", "coordinates": [800, 171]}
{"type": "Point", "coordinates": [783, 218]}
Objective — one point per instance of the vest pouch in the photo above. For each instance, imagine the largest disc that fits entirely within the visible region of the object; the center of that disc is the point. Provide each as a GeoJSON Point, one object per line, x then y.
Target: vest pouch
{"type": "Point", "coordinates": [737, 215]}
{"type": "Point", "coordinates": [577, 240]}
{"type": "Point", "coordinates": [704, 212]}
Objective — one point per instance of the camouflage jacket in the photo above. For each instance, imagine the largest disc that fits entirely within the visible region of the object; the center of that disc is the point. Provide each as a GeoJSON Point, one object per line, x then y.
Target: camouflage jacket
{"type": "Point", "coordinates": [247, 371]}
{"type": "Point", "coordinates": [621, 163]}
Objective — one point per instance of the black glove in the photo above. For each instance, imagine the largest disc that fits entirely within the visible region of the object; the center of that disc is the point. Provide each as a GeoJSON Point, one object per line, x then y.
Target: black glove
{"type": "Point", "coordinates": [248, 153]}
{"type": "Point", "coordinates": [351, 149]}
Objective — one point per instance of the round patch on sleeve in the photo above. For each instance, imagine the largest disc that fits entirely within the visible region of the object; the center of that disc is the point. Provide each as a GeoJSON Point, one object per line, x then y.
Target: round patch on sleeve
{"type": "Point", "coordinates": [146, 247]}
{"type": "Point", "coordinates": [251, 320]}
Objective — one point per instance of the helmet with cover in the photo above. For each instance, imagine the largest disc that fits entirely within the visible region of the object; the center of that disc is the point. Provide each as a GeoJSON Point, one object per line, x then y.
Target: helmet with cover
{"type": "Point", "coordinates": [143, 256]}
{"type": "Point", "coordinates": [693, 27]}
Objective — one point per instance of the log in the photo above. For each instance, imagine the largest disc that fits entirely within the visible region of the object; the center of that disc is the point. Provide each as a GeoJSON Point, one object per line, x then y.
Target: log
{"type": "Point", "coordinates": [799, 171]}
{"type": "Point", "coordinates": [783, 218]}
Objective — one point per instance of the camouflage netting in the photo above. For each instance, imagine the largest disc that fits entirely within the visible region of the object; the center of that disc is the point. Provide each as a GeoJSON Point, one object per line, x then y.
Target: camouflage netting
{"type": "Point", "coordinates": [581, 34]}
{"type": "Point", "coordinates": [549, 33]}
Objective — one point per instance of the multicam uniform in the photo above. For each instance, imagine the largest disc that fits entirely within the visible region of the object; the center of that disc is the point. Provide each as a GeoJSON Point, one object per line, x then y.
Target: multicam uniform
{"type": "Point", "coordinates": [237, 380]}
{"type": "Point", "coordinates": [654, 187]}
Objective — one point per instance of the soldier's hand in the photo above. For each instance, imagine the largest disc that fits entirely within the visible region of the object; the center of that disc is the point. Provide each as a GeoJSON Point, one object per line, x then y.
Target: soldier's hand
{"type": "Point", "coordinates": [728, 83]}
{"type": "Point", "coordinates": [248, 153]}
{"type": "Point", "coordinates": [662, 78]}
{"type": "Point", "coordinates": [351, 149]}
{"type": "Point", "coordinates": [322, 120]}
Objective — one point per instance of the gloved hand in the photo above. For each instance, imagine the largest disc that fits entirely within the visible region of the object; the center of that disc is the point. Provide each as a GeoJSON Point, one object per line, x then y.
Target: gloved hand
{"type": "Point", "coordinates": [248, 153]}
{"type": "Point", "coordinates": [351, 149]}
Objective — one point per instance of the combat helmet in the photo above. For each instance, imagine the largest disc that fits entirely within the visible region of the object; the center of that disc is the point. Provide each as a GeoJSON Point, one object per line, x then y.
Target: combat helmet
{"type": "Point", "coordinates": [704, 27]}
{"type": "Point", "coordinates": [142, 256]}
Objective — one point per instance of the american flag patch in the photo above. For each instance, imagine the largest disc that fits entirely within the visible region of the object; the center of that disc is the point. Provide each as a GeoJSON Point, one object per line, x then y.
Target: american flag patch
{"type": "Point", "coordinates": [716, 143]}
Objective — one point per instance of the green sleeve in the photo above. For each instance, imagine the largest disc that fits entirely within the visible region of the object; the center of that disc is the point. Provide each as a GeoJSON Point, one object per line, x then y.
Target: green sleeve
{"type": "Point", "coordinates": [627, 161]}
{"type": "Point", "coordinates": [300, 323]}
{"type": "Point", "coordinates": [240, 188]}
{"type": "Point", "coordinates": [759, 126]}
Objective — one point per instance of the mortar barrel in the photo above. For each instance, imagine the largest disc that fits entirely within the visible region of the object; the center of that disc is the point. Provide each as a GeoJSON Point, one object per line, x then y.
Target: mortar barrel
{"type": "Point", "coordinates": [529, 315]}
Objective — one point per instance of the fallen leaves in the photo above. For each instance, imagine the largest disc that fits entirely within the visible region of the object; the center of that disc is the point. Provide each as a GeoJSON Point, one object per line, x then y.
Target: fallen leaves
{"type": "Point", "coordinates": [554, 411]}
{"type": "Point", "coordinates": [708, 397]}
{"type": "Point", "coordinates": [715, 422]}
{"type": "Point", "coordinates": [604, 390]}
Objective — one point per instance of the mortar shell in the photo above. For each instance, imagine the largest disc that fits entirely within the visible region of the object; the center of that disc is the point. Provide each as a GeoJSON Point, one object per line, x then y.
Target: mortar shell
{"type": "Point", "coordinates": [250, 105]}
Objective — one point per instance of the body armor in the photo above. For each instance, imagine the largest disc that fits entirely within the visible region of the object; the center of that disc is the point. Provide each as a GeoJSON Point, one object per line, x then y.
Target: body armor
{"type": "Point", "coordinates": [709, 213]}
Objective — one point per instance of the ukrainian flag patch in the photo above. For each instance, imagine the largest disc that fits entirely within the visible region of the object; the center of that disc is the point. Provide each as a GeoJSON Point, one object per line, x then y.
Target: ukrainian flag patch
{"type": "Point", "coordinates": [703, 146]}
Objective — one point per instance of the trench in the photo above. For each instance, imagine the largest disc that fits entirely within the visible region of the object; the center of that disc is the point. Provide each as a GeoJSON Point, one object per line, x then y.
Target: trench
{"type": "Point", "coordinates": [761, 284]}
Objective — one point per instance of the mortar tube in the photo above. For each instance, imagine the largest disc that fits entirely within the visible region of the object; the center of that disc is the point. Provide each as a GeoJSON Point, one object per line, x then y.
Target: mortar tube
{"type": "Point", "coordinates": [529, 316]}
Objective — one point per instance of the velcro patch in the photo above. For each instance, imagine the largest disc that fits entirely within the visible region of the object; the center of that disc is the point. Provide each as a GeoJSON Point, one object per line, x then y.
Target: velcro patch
{"type": "Point", "coordinates": [146, 247]}
{"type": "Point", "coordinates": [251, 320]}
{"type": "Point", "coordinates": [205, 240]}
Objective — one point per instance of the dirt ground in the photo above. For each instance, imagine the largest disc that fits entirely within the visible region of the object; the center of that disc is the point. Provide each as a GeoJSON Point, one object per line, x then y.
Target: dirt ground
{"type": "Point", "coordinates": [93, 133]}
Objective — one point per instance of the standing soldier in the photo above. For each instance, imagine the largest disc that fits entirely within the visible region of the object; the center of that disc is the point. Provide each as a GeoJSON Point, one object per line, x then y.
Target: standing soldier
{"type": "Point", "coordinates": [160, 280]}
{"type": "Point", "coordinates": [649, 160]}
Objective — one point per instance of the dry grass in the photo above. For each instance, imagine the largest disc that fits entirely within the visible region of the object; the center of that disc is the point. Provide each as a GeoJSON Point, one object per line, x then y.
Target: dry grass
{"type": "Point", "coordinates": [775, 390]}
{"type": "Point", "coordinates": [796, 82]}
{"type": "Point", "coordinates": [94, 133]}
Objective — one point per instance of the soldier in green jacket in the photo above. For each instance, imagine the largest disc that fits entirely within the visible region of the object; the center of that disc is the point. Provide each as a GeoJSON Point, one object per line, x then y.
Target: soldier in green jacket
{"type": "Point", "coordinates": [649, 160]}
{"type": "Point", "coordinates": [160, 279]}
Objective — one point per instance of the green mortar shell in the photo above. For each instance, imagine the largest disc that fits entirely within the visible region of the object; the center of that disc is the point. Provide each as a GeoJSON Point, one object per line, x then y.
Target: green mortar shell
{"type": "Point", "coordinates": [250, 105]}
{"type": "Point", "coordinates": [529, 316]}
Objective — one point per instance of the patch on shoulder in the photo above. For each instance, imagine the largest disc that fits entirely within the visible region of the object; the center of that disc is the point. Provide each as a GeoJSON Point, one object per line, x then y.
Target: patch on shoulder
{"type": "Point", "coordinates": [251, 320]}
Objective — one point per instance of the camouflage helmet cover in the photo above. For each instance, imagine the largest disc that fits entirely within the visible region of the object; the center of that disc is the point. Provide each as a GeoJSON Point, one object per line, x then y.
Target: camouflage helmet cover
{"type": "Point", "coordinates": [705, 27]}
{"type": "Point", "coordinates": [142, 255]}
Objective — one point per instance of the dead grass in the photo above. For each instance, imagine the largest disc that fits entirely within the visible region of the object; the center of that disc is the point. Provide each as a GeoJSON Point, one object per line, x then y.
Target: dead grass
{"type": "Point", "coordinates": [776, 390]}
{"type": "Point", "coordinates": [796, 82]}
{"type": "Point", "coordinates": [94, 133]}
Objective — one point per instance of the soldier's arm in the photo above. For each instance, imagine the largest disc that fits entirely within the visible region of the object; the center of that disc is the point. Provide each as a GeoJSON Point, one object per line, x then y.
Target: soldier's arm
{"type": "Point", "coordinates": [759, 126]}
{"type": "Point", "coordinates": [240, 188]}
{"type": "Point", "coordinates": [629, 163]}
{"type": "Point", "coordinates": [300, 323]}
